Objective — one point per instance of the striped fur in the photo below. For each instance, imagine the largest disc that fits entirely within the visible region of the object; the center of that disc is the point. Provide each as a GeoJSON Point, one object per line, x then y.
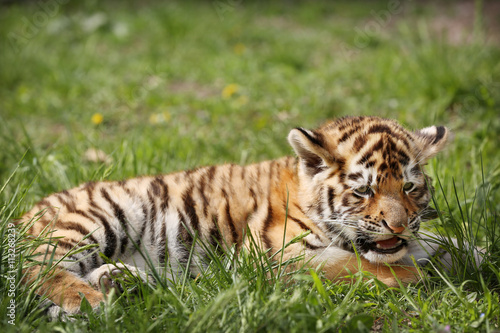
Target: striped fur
{"type": "Point", "coordinates": [357, 184]}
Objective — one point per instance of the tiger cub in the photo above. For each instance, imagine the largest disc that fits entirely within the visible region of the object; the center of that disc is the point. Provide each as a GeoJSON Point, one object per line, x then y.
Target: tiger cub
{"type": "Point", "coordinates": [357, 187]}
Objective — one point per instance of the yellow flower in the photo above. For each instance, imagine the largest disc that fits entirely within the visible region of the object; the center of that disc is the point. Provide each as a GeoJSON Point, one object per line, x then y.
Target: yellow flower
{"type": "Point", "coordinates": [154, 119]}
{"type": "Point", "coordinates": [157, 118]}
{"type": "Point", "coordinates": [97, 118]}
{"type": "Point", "coordinates": [239, 49]}
{"type": "Point", "coordinates": [229, 90]}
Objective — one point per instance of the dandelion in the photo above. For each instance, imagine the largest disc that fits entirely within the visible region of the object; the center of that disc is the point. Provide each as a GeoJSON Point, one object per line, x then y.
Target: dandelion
{"type": "Point", "coordinates": [97, 118]}
{"type": "Point", "coordinates": [239, 49]}
{"type": "Point", "coordinates": [230, 90]}
{"type": "Point", "coordinates": [154, 119]}
{"type": "Point", "coordinates": [158, 118]}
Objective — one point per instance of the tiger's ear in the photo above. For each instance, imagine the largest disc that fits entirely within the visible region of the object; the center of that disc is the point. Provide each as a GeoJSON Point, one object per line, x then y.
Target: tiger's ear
{"type": "Point", "coordinates": [310, 149]}
{"type": "Point", "coordinates": [431, 140]}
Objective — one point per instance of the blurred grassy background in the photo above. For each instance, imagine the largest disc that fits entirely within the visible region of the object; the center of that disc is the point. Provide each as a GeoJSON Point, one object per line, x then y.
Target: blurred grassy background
{"type": "Point", "coordinates": [161, 86]}
{"type": "Point", "coordinates": [157, 71]}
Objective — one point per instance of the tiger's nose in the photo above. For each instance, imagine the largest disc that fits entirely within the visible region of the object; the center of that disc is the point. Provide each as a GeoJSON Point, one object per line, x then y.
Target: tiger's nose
{"type": "Point", "coordinates": [394, 228]}
{"type": "Point", "coordinates": [394, 215]}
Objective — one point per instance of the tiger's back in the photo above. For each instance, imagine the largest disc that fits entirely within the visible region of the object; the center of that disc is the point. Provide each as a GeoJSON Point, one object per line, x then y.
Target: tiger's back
{"type": "Point", "coordinates": [348, 188]}
{"type": "Point", "coordinates": [160, 214]}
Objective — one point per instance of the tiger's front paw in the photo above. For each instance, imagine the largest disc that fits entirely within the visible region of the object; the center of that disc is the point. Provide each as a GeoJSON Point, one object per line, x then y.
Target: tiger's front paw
{"type": "Point", "coordinates": [104, 277]}
{"type": "Point", "coordinates": [101, 278]}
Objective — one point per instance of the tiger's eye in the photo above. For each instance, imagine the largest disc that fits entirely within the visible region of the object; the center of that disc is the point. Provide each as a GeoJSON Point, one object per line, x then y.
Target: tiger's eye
{"type": "Point", "coordinates": [363, 189]}
{"type": "Point", "coordinates": [408, 186]}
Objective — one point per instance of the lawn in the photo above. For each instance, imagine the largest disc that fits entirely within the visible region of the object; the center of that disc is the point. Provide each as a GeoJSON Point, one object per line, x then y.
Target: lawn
{"type": "Point", "coordinates": [95, 90]}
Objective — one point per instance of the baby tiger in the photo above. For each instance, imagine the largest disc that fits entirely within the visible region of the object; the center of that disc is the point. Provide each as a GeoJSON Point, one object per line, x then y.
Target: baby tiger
{"type": "Point", "coordinates": [357, 188]}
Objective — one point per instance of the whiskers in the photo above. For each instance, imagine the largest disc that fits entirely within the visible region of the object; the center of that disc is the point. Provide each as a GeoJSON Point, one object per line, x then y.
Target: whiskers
{"type": "Point", "coordinates": [338, 221]}
{"type": "Point", "coordinates": [339, 228]}
{"type": "Point", "coordinates": [345, 223]}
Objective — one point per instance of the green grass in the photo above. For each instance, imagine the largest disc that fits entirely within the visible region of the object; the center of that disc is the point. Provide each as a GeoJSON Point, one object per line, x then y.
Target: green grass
{"type": "Point", "coordinates": [156, 73]}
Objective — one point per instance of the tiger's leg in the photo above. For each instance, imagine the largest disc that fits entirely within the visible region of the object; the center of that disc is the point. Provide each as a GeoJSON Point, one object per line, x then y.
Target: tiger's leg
{"type": "Point", "coordinates": [64, 288]}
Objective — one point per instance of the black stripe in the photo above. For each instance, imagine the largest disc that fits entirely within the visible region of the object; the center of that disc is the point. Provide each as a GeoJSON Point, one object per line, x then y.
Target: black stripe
{"type": "Point", "coordinates": [369, 164]}
{"type": "Point", "coordinates": [416, 170]}
{"type": "Point", "coordinates": [162, 246]}
{"type": "Point", "coordinates": [301, 224]}
{"type": "Point", "coordinates": [201, 190]}
{"type": "Point", "coordinates": [143, 225]}
{"type": "Point", "coordinates": [185, 239]}
{"type": "Point", "coordinates": [120, 215]}
{"type": "Point", "coordinates": [379, 128]}
{"type": "Point", "coordinates": [392, 145]}
{"type": "Point", "coordinates": [404, 159]}
{"type": "Point", "coordinates": [254, 197]}
{"type": "Point", "coordinates": [364, 158]}
{"type": "Point", "coordinates": [349, 133]}
{"type": "Point", "coordinates": [342, 177]}
{"type": "Point", "coordinates": [190, 209]}
{"type": "Point", "coordinates": [359, 143]}
{"type": "Point", "coordinates": [89, 188]}
{"type": "Point", "coordinates": [309, 137]}
{"type": "Point", "coordinates": [382, 167]}
{"type": "Point", "coordinates": [345, 201]}
{"type": "Point", "coordinates": [155, 187]}
{"type": "Point", "coordinates": [62, 243]}
{"type": "Point", "coordinates": [70, 206]}
{"type": "Point", "coordinates": [46, 204]}
{"type": "Point", "coordinates": [319, 205]}
{"type": "Point", "coordinates": [231, 166]}
{"type": "Point", "coordinates": [440, 131]}
{"type": "Point", "coordinates": [331, 198]}
{"type": "Point", "coordinates": [165, 197]}
{"type": "Point", "coordinates": [211, 173]}
{"type": "Point", "coordinates": [229, 219]}
{"type": "Point", "coordinates": [355, 176]}
{"type": "Point", "coordinates": [83, 269]}
{"type": "Point", "coordinates": [189, 172]}
{"type": "Point", "coordinates": [84, 214]}
{"type": "Point", "coordinates": [243, 171]}
{"type": "Point", "coordinates": [379, 145]}
{"type": "Point", "coordinates": [312, 247]}
{"type": "Point", "coordinates": [160, 190]}
{"type": "Point", "coordinates": [152, 218]}
{"type": "Point", "coordinates": [70, 225]}
{"type": "Point", "coordinates": [215, 237]}
{"type": "Point", "coordinates": [110, 236]}
{"type": "Point", "coordinates": [267, 224]}
{"type": "Point", "coordinates": [299, 208]}
{"type": "Point", "coordinates": [78, 227]}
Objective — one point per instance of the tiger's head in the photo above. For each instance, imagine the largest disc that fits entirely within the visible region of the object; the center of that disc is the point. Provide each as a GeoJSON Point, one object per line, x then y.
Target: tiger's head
{"type": "Point", "coordinates": [361, 180]}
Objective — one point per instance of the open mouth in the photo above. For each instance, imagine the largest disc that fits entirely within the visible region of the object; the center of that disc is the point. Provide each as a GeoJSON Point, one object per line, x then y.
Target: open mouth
{"type": "Point", "coordinates": [388, 246]}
